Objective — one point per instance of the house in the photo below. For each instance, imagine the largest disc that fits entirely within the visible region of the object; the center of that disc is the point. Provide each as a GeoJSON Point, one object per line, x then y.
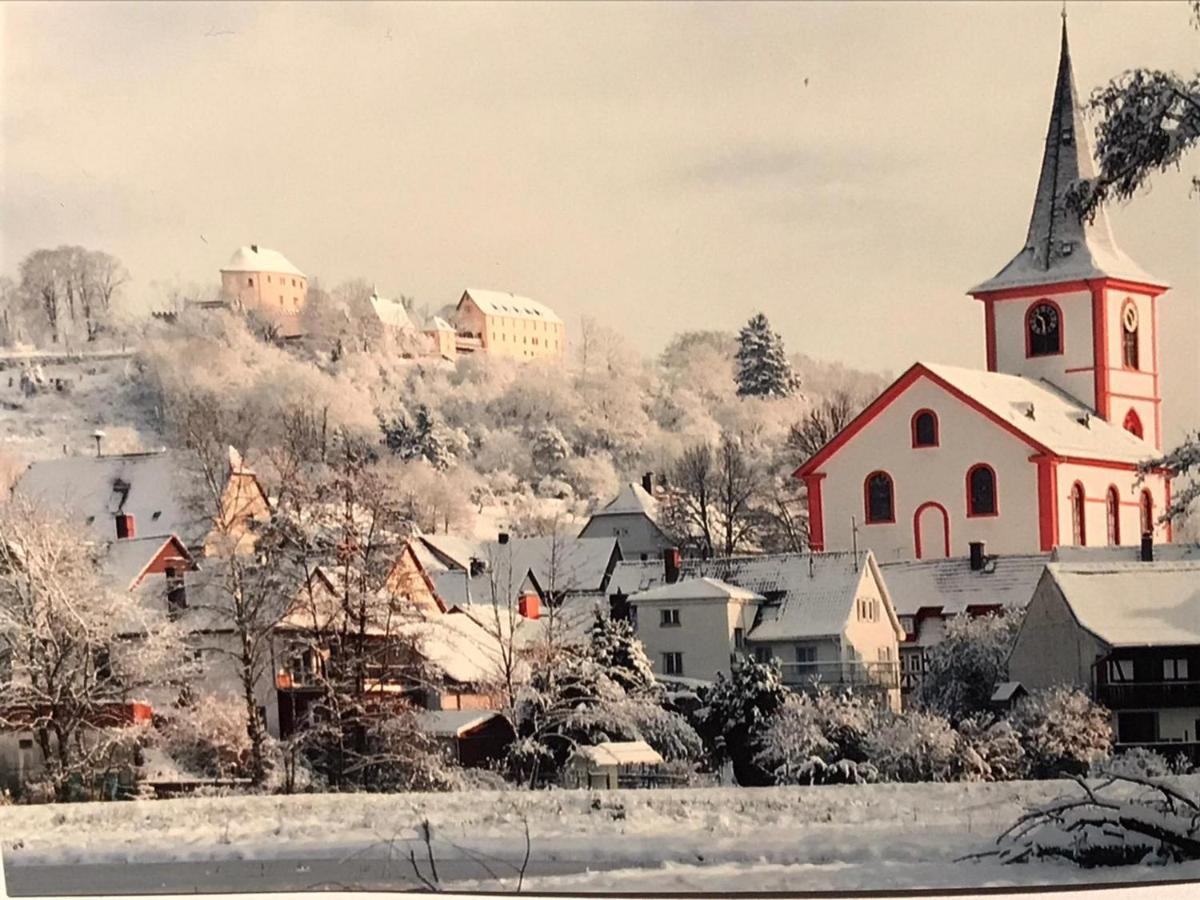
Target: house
{"type": "Point", "coordinates": [444, 337]}
{"type": "Point", "coordinates": [632, 518]}
{"type": "Point", "coordinates": [264, 282]}
{"type": "Point", "coordinates": [504, 324]}
{"type": "Point", "coordinates": [827, 617]}
{"type": "Point", "coordinates": [927, 593]}
{"type": "Point", "coordinates": [390, 314]}
{"type": "Point", "coordinates": [469, 737]}
{"type": "Point", "coordinates": [1043, 447]}
{"type": "Point", "coordinates": [1128, 633]}
{"type": "Point", "coordinates": [613, 764]}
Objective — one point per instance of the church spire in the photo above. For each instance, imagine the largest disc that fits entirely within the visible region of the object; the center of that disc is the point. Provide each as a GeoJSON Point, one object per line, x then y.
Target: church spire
{"type": "Point", "coordinates": [1058, 246]}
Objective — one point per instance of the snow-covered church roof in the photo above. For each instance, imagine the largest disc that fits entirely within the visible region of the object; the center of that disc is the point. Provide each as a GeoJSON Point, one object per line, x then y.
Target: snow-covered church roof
{"type": "Point", "coordinates": [502, 303]}
{"type": "Point", "coordinates": [1058, 246]}
{"type": "Point", "coordinates": [254, 258]}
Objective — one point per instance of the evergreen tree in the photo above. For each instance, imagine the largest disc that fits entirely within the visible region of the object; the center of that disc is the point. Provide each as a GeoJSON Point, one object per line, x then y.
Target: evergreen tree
{"type": "Point", "coordinates": [736, 715]}
{"type": "Point", "coordinates": [618, 652]}
{"type": "Point", "coordinates": [763, 369]}
{"type": "Point", "coordinates": [422, 437]}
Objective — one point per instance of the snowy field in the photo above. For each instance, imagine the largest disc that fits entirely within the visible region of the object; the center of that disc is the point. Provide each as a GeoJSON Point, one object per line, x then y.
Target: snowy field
{"type": "Point", "coordinates": [838, 838]}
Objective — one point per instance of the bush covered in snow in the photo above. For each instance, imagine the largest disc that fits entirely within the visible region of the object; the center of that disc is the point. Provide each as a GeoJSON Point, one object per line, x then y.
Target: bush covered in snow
{"type": "Point", "coordinates": [737, 713]}
{"type": "Point", "coordinates": [1062, 731]}
{"type": "Point", "coordinates": [962, 670]}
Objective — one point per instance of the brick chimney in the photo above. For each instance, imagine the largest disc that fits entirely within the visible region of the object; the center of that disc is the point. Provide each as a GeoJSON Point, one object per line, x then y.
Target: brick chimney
{"type": "Point", "coordinates": [648, 482]}
{"type": "Point", "coordinates": [529, 605]}
{"type": "Point", "coordinates": [502, 538]}
{"type": "Point", "coordinates": [672, 563]}
{"type": "Point", "coordinates": [977, 555]}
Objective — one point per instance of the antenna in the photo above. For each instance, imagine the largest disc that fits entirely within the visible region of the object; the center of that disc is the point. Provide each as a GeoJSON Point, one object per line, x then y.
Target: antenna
{"type": "Point", "coordinates": [854, 541]}
{"type": "Point", "coordinates": [1064, 10]}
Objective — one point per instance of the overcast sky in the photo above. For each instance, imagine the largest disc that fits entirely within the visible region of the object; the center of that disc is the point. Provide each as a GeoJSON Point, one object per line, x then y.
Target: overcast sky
{"type": "Point", "coordinates": [849, 169]}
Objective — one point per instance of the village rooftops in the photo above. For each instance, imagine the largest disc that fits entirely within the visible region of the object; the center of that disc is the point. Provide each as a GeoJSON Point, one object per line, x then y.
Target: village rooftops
{"type": "Point", "coordinates": [502, 303]}
{"type": "Point", "coordinates": [696, 589]}
{"type": "Point", "coordinates": [453, 722]}
{"type": "Point", "coordinates": [254, 258]}
{"type": "Point", "coordinates": [1160, 552]}
{"type": "Point", "coordinates": [950, 586]}
{"type": "Point", "coordinates": [557, 564]}
{"type": "Point", "coordinates": [1133, 604]}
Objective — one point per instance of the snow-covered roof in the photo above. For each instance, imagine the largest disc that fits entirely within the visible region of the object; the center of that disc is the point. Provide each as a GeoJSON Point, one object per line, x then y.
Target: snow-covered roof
{"type": "Point", "coordinates": [1058, 246]}
{"type": "Point", "coordinates": [632, 499]}
{"type": "Point", "coordinates": [440, 324]}
{"type": "Point", "coordinates": [456, 588]}
{"type": "Point", "coordinates": [390, 312]}
{"type": "Point", "coordinates": [254, 258]}
{"type": "Point", "coordinates": [557, 563]}
{"type": "Point", "coordinates": [951, 585]}
{"type": "Point", "coordinates": [125, 561]}
{"type": "Point", "coordinates": [808, 594]}
{"type": "Point", "coordinates": [1133, 604]}
{"type": "Point", "coordinates": [621, 753]}
{"type": "Point", "coordinates": [502, 303]}
{"type": "Point", "coordinates": [91, 490]}
{"type": "Point", "coordinates": [1060, 423]}
{"type": "Point", "coordinates": [453, 722]}
{"type": "Point", "coordinates": [459, 647]}
{"type": "Point", "coordinates": [1006, 690]}
{"type": "Point", "coordinates": [695, 589]}
{"type": "Point", "coordinates": [1162, 553]}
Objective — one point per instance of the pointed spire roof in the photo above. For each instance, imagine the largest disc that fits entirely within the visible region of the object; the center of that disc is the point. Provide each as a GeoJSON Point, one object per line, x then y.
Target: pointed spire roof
{"type": "Point", "coordinates": [1059, 247]}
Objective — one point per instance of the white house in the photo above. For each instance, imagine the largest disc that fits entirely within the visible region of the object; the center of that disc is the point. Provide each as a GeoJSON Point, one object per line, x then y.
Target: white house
{"type": "Point", "coordinates": [632, 518]}
{"type": "Point", "coordinates": [1129, 634]}
{"type": "Point", "coordinates": [1043, 447]}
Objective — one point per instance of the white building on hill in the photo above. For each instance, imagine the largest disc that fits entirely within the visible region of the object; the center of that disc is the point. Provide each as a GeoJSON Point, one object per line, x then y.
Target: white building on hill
{"type": "Point", "coordinates": [632, 518]}
{"type": "Point", "coordinates": [1043, 447]}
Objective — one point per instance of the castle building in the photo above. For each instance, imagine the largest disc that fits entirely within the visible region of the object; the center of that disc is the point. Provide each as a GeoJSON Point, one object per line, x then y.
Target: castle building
{"type": "Point", "coordinates": [505, 324]}
{"type": "Point", "coordinates": [1043, 448]}
{"type": "Point", "coordinates": [264, 282]}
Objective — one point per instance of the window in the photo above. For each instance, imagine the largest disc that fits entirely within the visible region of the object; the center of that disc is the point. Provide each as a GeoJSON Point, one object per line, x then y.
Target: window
{"type": "Point", "coordinates": [739, 639]}
{"type": "Point", "coordinates": [668, 618]}
{"type": "Point", "coordinates": [1120, 670]}
{"type": "Point", "coordinates": [868, 609]}
{"type": "Point", "coordinates": [762, 654]}
{"type": "Point", "coordinates": [981, 490]}
{"type": "Point", "coordinates": [1175, 670]}
{"type": "Point", "coordinates": [1133, 424]}
{"type": "Point", "coordinates": [249, 282]}
{"type": "Point", "coordinates": [1078, 516]}
{"type": "Point", "coordinates": [176, 593]}
{"type": "Point", "coordinates": [672, 663]}
{"type": "Point", "coordinates": [879, 500]}
{"type": "Point", "coordinates": [1043, 329]}
{"type": "Point", "coordinates": [1147, 511]}
{"type": "Point", "coordinates": [806, 654]}
{"type": "Point", "coordinates": [1129, 335]}
{"type": "Point", "coordinates": [925, 429]}
{"type": "Point", "coordinates": [1112, 506]}
{"type": "Point", "coordinates": [268, 279]}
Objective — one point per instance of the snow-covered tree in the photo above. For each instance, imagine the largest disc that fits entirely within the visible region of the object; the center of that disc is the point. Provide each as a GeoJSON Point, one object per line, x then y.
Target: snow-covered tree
{"type": "Point", "coordinates": [736, 714]}
{"type": "Point", "coordinates": [1062, 731]}
{"type": "Point", "coordinates": [1184, 461]}
{"type": "Point", "coordinates": [549, 448]}
{"type": "Point", "coordinates": [916, 746]}
{"type": "Point", "coordinates": [992, 749]}
{"type": "Point", "coordinates": [421, 437]}
{"type": "Point", "coordinates": [617, 650]}
{"type": "Point", "coordinates": [962, 671]}
{"type": "Point", "coordinates": [820, 738]}
{"type": "Point", "coordinates": [73, 650]}
{"type": "Point", "coordinates": [763, 369]}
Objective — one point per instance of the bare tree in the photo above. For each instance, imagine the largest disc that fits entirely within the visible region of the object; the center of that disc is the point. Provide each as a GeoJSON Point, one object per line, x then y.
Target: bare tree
{"type": "Point", "coordinates": [822, 424]}
{"type": "Point", "coordinates": [691, 512]}
{"type": "Point", "coordinates": [739, 480]}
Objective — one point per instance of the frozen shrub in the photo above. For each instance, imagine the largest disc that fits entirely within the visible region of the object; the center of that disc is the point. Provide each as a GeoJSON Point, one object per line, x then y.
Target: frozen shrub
{"type": "Point", "coordinates": [1139, 763]}
{"type": "Point", "coordinates": [206, 736]}
{"type": "Point", "coordinates": [737, 712]}
{"type": "Point", "coordinates": [962, 670]}
{"type": "Point", "coordinates": [991, 749]}
{"type": "Point", "coordinates": [1062, 730]}
{"type": "Point", "coordinates": [918, 746]}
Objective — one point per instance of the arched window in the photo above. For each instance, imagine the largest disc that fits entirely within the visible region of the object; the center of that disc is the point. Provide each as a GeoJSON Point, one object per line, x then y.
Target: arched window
{"type": "Point", "coordinates": [1043, 329]}
{"type": "Point", "coordinates": [250, 282]}
{"type": "Point", "coordinates": [880, 499]}
{"type": "Point", "coordinates": [925, 428]}
{"type": "Point", "coordinates": [1112, 506]}
{"type": "Point", "coordinates": [1147, 510]}
{"type": "Point", "coordinates": [1129, 335]}
{"type": "Point", "coordinates": [1078, 516]}
{"type": "Point", "coordinates": [1133, 423]}
{"type": "Point", "coordinates": [981, 490]}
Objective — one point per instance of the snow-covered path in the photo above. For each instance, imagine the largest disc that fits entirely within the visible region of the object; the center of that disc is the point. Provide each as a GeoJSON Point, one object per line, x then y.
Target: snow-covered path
{"type": "Point", "coordinates": [877, 836]}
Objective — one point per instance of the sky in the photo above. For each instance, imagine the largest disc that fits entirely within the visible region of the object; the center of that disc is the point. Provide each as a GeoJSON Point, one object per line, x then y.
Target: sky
{"type": "Point", "coordinates": [850, 169]}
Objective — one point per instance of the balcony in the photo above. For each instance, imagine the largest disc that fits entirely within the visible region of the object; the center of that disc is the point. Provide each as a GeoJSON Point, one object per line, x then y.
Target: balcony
{"type": "Point", "coordinates": [1148, 694]}
{"type": "Point", "coordinates": [876, 675]}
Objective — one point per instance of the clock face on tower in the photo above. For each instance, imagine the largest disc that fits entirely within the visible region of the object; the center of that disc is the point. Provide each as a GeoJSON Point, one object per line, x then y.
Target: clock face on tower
{"type": "Point", "coordinates": [1044, 320]}
{"type": "Point", "coordinates": [1129, 317]}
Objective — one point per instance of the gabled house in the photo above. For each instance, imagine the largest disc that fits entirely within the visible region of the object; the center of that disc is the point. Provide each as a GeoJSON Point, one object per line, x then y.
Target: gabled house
{"type": "Point", "coordinates": [632, 518]}
{"type": "Point", "coordinates": [827, 617]}
{"type": "Point", "coordinates": [1129, 634]}
{"type": "Point", "coordinates": [504, 324]}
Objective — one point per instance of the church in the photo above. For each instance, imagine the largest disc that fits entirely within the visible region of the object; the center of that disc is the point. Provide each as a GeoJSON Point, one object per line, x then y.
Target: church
{"type": "Point", "coordinates": [1042, 449]}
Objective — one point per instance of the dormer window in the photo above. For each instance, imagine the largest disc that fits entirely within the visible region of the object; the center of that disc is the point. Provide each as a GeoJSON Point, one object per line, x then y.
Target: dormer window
{"type": "Point", "coordinates": [1043, 329]}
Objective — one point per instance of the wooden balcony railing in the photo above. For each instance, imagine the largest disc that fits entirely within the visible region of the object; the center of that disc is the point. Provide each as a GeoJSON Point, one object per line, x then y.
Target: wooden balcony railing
{"type": "Point", "coordinates": [842, 674]}
{"type": "Point", "coordinates": [1148, 694]}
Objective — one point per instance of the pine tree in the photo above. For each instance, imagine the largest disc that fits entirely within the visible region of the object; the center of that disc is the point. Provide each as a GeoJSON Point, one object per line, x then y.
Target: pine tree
{"type": "Point", "coordinates": [736, 714]}
{"type": "Point", "coordinates": [619, 653]}
{"type": "Point", "coordinates": [763, 367]}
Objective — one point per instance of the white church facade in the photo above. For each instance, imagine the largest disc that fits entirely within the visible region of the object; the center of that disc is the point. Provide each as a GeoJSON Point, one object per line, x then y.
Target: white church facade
{"type": "Point", "coordinates": [1043, 448]}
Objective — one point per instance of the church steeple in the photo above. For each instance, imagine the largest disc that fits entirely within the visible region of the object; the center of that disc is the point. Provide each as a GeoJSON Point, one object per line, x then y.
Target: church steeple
{"type": "Point", "coordinates": [1058, 246]}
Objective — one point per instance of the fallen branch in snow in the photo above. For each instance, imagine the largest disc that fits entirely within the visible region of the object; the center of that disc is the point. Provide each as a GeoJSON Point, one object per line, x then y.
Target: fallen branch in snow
{"type": "Point", "coordinates": [1158, 825]}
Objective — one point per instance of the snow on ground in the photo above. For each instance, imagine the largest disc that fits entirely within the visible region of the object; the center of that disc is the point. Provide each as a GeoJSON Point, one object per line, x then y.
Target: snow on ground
{"type": "Point", "coordinates": [846, 837]}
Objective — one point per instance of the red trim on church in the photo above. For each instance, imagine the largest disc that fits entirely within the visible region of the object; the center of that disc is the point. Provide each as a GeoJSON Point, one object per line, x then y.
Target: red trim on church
{"type": "Point", "coordinates": [816, 511]}
{"type": "Point", "coordinates": [931, 504]}
{"type": "Point", "coordinates": [989, 331]}
{"type": "Point", "coordinates": [1047, 486]}
{"type": "Point", "coordinates": [1100, 349]}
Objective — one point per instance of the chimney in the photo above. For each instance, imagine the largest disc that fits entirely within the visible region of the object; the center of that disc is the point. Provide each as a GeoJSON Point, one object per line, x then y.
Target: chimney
{"type": "Point", "coordinates": [672, 562]}
{"type": "Point", "coordinates": [529, 605]}
{"type": "Point", "coordinates": [254, 247]}
{"type": "Point", "coordinates": [648, 482]}
{"type": "Point", "coordinates": [1147, 547]}
{"type": "Point", "coordinates": [98, 437]}
{"type": "Point", "coordinates": [502, 537]}
{"type": "Point", "coordinates": [125, 527]}
{"type": "Point", "coordinates": [977, 556]}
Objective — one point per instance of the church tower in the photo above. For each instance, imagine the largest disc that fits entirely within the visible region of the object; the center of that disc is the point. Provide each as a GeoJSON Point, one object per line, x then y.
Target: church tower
{"type": "Point", "coordinates": [1071, 308]}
